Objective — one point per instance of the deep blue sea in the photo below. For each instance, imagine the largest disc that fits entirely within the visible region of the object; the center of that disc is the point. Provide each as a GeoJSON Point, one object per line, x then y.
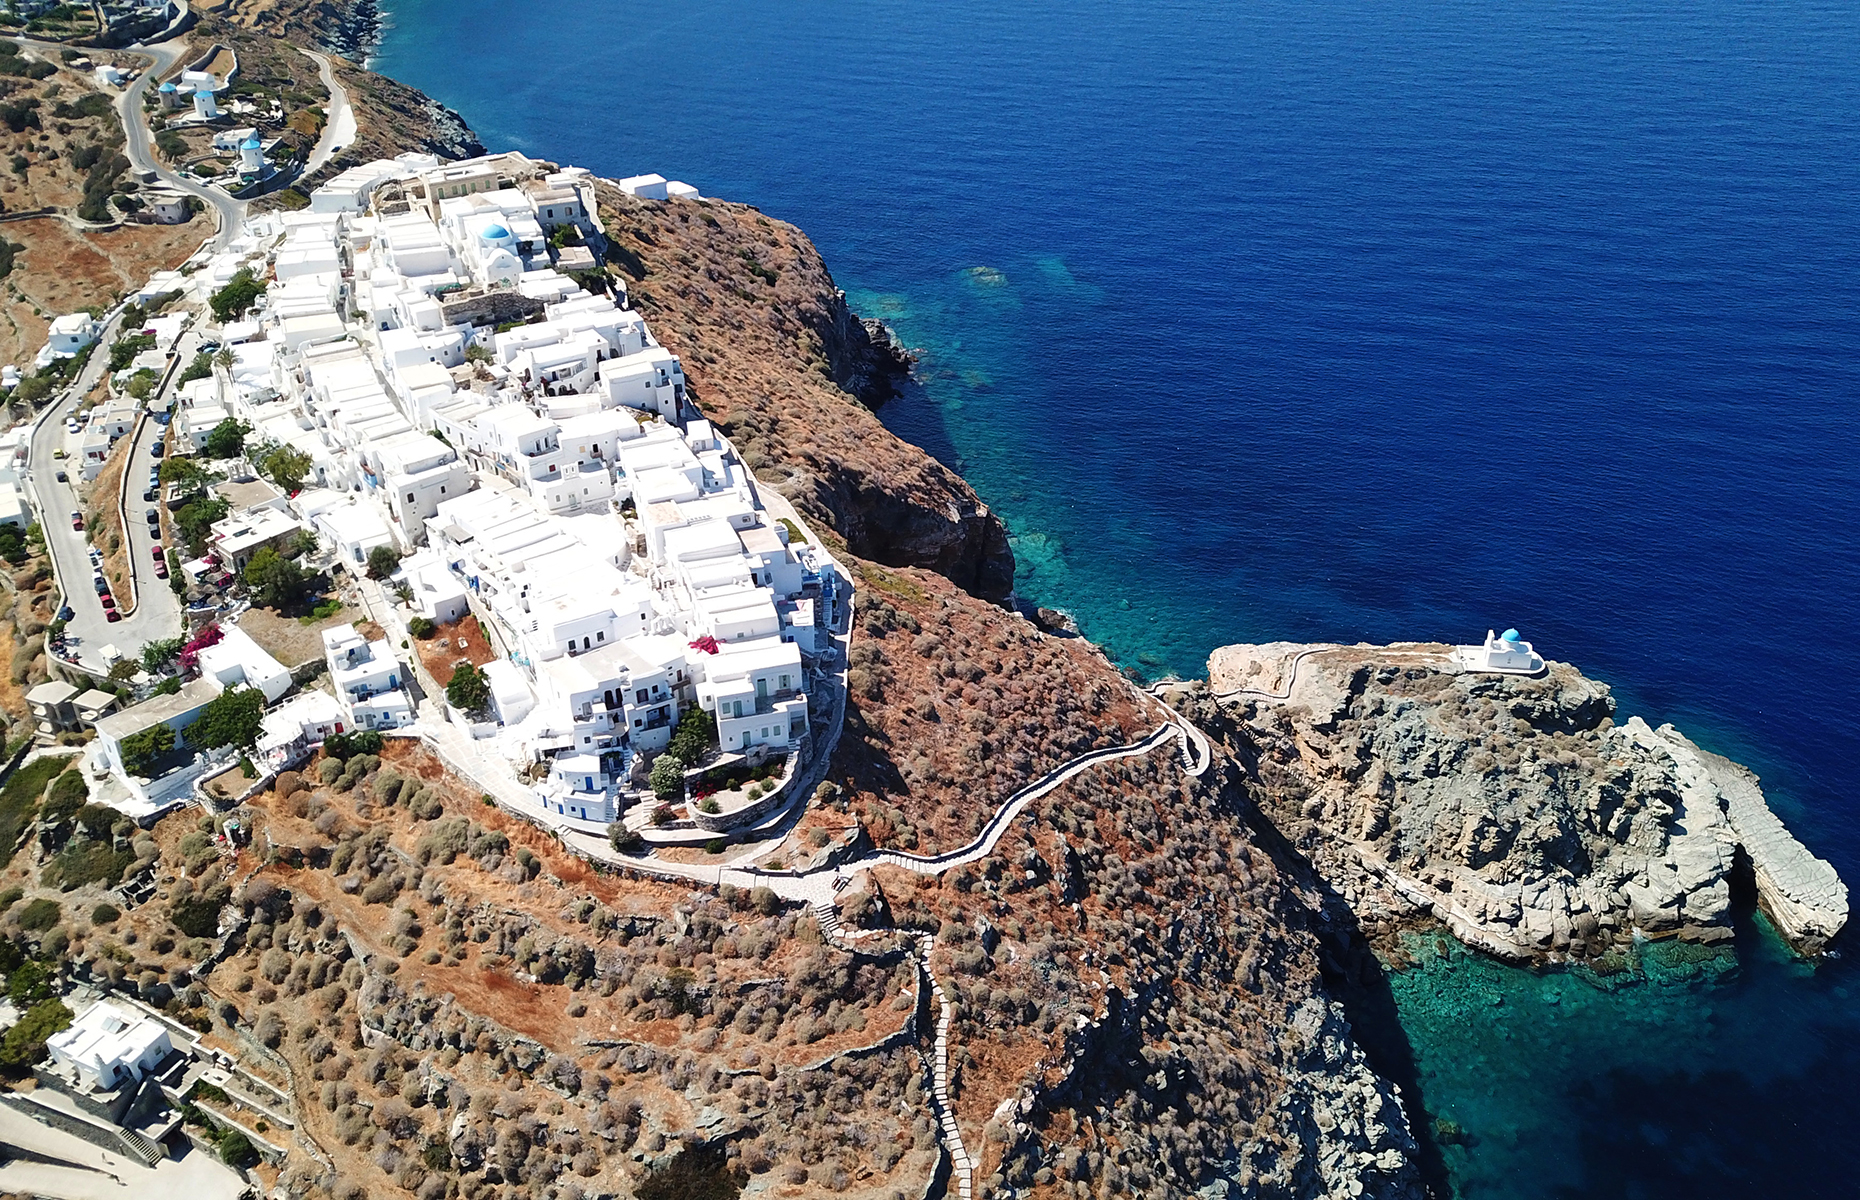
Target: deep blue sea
{"type": "Point", "coordinates": [1360, 320]}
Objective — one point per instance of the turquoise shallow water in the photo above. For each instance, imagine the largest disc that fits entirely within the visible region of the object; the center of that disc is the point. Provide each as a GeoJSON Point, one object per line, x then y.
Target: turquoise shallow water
{"type": "Point", "coordinates": [1358, 319]}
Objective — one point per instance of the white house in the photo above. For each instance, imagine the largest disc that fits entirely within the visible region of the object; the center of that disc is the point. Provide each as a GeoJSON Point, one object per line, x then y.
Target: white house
{"type": "Point", "coordinates": [437, 592]}
{"type": "Point", "coordinates": [236, 659]}
{"type": "Point", "coordinates": [755, 690]}
{"type": "Point", "coordinates": [110, 1044]}
{"type": "Point", "coordinates": [68, 335]}
{"type": "Point", "coordinates": [652, 380]}
{"type": "Point", "coordinates": [237, 538]}
{"type": "Point", "coordinates": [294, 726]}
{"type": "Point", "coordinates": [367, 679]}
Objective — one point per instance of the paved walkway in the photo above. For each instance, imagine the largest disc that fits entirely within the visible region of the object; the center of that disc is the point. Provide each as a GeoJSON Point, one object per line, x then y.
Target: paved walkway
{"type": "Point", "coordinates": [83, 1171]}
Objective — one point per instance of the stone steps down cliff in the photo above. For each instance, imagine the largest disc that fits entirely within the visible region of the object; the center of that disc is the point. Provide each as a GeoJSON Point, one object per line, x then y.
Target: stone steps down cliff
{"type": "Point", "coordinates": [1513, 809]}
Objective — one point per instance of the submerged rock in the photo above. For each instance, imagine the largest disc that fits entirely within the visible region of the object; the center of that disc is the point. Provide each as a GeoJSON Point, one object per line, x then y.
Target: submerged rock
{"type": "Point", "coordinates": [1514, 809]}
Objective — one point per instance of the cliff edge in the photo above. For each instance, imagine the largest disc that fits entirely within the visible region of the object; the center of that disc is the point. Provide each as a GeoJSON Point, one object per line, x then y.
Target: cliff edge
{"type": "Point", "coordinates": [1516, 810]}
{"type": "Point", "coordinates": [768, 341]}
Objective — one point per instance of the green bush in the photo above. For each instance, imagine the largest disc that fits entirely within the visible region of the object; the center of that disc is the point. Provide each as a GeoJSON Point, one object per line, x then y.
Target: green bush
{"type": "Point", "coordinates": [231, 718]}
{"type": "Point", "coordinates": [141, 751]}
{"type": "Point", "coordinates": [383, 561]}
{"type": "Point", "coordinates": [24, 1044]}
{"type": "Point", "coordinates": [237, 297]}
{"type": "Point", "coordinates": [469, 691]}
{"type": "Point", "coordinates": [40, 915]}
{"type": "Point", "coordinates": [276, 581]}
{"type": "Point", "coordinates": [84, 861]}
{"type": "Point", "coordinates": [235, 1149]}
{"type": "Point", "coordinates": [347, 745]}
{"type": "Point", "coordinates": [667, 778]}
{"type": "Point", "coordinates": [422, 627]}
{"type": "Point", "coordinates": [695, 735]}
{"type": "Point", "coordinates": [28, 982]}
{"type": "Point", "coordinates": [227, 439]}
{"type": "Point", "coordinates": [103, 914]}
{"type": "Point", "coordinates": [196, 916]}
{"type": "Point", "coordinates": [68, 794]}
{"type": "Point", "coordinates": [19, 800]}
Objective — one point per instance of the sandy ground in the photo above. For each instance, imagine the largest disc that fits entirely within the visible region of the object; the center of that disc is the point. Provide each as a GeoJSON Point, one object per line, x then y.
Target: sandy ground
{"type": "Point", "coordinates": [287, 639]}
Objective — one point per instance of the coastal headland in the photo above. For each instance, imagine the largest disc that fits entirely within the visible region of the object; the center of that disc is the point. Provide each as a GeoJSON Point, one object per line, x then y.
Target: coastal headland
{"type": "Point", "coordinates": [1524, 813]}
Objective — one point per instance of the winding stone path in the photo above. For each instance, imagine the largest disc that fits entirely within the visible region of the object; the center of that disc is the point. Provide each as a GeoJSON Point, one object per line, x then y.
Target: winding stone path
{"type": "Point", "coordinates": [1291, 680]}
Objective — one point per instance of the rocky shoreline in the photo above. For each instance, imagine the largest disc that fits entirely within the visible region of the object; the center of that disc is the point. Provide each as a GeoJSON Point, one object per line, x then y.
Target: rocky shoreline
{"type": "Point", "coordinates": [351, 28]}
{"type": "Point", "coordinates": [1516, 811]}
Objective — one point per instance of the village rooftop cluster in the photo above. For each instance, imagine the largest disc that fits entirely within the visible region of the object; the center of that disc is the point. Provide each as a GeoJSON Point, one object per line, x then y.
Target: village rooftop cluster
{"type": "Point", "coordinates": [469, 388]}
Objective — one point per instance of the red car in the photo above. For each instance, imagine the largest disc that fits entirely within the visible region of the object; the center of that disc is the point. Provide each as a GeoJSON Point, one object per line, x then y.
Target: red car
{"type": "Point", "coordinates": [155, 553]}
{"type": "Point", "coordinates": [109, 601]}
{"type": "Point", "coordinates": [111, 614]}
{"type": "Point", "coordinates": [77, 521]}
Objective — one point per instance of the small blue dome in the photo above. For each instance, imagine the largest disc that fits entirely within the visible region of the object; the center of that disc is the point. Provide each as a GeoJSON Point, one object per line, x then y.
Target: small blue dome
{"type": "Point", "coordinates": [494, 233]}
{"type": "Point", "coordinates": [1511, 635]}
{"type": "Point", "coordinates": [252, 143]}
{"type": "Point", "coordinates": [169, 87]}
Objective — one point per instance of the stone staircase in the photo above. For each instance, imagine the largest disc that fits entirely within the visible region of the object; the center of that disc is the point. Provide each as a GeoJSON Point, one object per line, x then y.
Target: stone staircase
{"type": "Point", "coordinates": [962, 1167]}
{"type": "Point", "coordinates": [140, 1148]}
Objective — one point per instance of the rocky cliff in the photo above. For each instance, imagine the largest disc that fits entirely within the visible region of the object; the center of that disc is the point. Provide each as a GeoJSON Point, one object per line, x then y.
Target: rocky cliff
{"type": "Point", "coordinates": [772, 352]}
{"type": "Point", "coordinates": [1518, 811]}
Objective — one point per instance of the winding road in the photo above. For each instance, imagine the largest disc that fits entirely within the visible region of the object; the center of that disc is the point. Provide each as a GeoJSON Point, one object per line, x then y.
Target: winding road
{"type": "Point", "coordinates": [139, 144]}
{"type": "Point", "coordinates": [339, 123]}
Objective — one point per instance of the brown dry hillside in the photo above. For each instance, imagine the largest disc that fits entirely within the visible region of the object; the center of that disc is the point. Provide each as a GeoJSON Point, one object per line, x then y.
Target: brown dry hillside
{"type": "Point", "coordinates": [69, 137]}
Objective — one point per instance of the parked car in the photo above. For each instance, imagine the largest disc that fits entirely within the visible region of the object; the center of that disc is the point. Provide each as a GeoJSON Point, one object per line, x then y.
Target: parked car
{"type": "Point", "coordinates": [62, 477]}
{"type": "Point", "coordinates": [101, 585]}
{"type": "Point", "coordinates": [156, 449]}
{"type": "Point", "coordinates": [77, 521]}
{"type": "Point", "coordinates": [58, 452]}
{"type": "Point", "coordinates": [109, 601]}
{"type": "Point", "coordinates": [66, 613]}
{"type": "Point", "coordinates": [152, 516]}
{"type": "Point", "coordinates": [110, 614]}
{"type": "Point", "coordinates": [155, 552]}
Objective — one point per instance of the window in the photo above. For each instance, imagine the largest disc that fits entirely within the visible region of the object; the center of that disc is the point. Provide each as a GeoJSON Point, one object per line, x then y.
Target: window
{"type": "Point", "coordinates": [600, 636]}
{"type": "Point", "coordinates": [410, 497]}
{"type": "Point", "coordinates": [641, 697]}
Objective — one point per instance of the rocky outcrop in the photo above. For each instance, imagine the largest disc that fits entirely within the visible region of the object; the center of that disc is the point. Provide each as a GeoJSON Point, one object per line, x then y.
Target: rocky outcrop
{"type": "Point", "coordinates": [867, 360]}
{"type": "Point", "coordinates": [1515, 810]}
{"type": "Point", "coordinates": [1802, 895]}
{"type": "Point", "coordinates": [1347, 1121]}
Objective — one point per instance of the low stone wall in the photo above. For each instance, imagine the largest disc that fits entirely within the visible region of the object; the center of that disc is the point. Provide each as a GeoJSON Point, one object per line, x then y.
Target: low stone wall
{"type": "Point", "coordinates": [749, 814]}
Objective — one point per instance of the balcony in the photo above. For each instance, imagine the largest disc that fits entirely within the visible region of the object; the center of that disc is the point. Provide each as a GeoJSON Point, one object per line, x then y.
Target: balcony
{"type": "Point", "coordinates": [766, 704]}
